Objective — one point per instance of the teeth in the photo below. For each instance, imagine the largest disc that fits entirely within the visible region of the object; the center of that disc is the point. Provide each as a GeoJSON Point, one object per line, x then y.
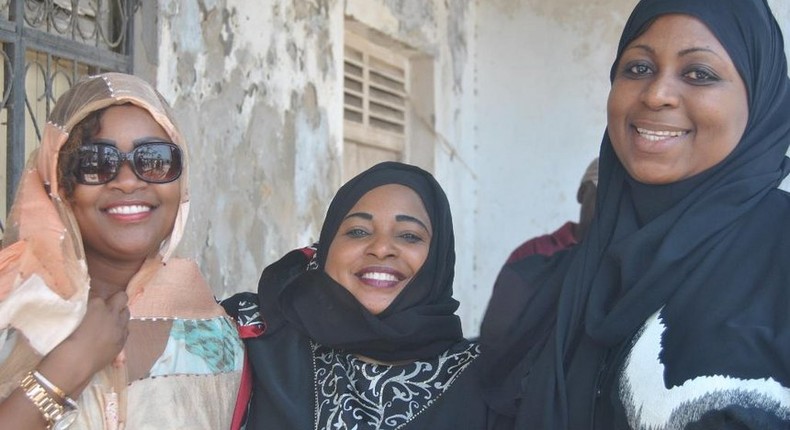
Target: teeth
{"type": "Point", "coordinates": [378, 276]}
{"type": "Point", "coordinates": [654, 135]}
{"type": "Point", "coordinates": [128, 210]}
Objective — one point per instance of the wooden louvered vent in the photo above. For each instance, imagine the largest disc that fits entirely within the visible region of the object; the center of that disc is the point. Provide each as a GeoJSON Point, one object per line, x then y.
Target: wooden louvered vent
{"type": "Point", "coordinates": [375, 94]}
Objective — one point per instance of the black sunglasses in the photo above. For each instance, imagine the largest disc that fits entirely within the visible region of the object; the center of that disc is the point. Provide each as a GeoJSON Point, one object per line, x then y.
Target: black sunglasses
{"type": "Point", "coordinates": [153, 162]}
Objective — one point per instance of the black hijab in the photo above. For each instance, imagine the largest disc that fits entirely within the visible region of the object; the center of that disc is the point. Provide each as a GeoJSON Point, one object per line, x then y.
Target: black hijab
{"type": "Point", "coordinates": [420, 322]}
{"type": "Point", "coordinates": [673, 247]}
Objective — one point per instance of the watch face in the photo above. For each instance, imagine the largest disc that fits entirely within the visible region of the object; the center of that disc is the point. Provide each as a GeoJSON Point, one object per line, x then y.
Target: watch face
{"type": "Point", "coordinates": [65, 420]}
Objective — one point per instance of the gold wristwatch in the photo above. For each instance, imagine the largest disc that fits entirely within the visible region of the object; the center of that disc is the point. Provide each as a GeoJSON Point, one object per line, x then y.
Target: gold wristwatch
{"type": "Point", "coordinates": [59, 415]}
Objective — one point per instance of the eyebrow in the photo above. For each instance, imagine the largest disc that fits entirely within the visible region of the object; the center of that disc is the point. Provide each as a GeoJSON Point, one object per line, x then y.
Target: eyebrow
{"type": "Point", "coordinates": [135, 143]}
{"type": "Point", "coordinates": [409, 218]}
{"type": "Point", "coordinates": [363, 215]}
{"type": "Point", "coordinates": [681, 53]}
{"type": "Point", "coordinates": [399, 218]}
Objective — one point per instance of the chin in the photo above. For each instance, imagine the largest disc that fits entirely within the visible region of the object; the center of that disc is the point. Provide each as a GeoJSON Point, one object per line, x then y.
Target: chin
{"type": "Point", "coordinates": [142, 251]}
{"type": "Point", "coordinates": [653, 174]}
{"type": "Point", "coordinates": [653, 180]}
{"type": "Point", "coordinates": [377, 307]}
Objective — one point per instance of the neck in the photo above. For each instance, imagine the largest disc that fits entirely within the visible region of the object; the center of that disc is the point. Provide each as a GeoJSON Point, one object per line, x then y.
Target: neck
{"type": "Point", "coordinates": [650, 200]}
{"type": "Point", "coordinates": [109, 277]}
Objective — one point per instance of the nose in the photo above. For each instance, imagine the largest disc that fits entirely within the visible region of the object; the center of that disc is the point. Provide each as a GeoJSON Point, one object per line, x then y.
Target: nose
{"type": "Point", "coordinates": [126, 180]}
{"type": "Point", "coordinates": [661, 92]}
{"type": "Point", "coordinates": [382, 246]}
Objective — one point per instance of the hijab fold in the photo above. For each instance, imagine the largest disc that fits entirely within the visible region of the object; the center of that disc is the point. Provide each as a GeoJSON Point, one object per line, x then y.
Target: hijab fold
{"type": "Point", "coordinates": [420, 322]}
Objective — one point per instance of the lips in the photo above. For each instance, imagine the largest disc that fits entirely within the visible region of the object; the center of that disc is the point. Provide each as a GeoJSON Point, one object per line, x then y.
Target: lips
{"type": "Point", "coordinates": [649, 138]}
{"type": "Point", "coordinates": [380, 277]}
{"type": "Point", "coordinates": [657, 135]}
{"type": "Point", "coordinates": [128, 210]}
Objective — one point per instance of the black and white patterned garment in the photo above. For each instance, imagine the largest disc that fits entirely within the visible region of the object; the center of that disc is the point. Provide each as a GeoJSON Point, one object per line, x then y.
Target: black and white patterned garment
{"type": "Point", "coordinates": [354, 394]}
{"type": "Point", "coordinates": [649, 405]}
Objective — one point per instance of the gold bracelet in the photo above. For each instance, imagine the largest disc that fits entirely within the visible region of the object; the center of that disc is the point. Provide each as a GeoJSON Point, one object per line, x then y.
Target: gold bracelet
{"type": "Point", "coordinates": [61, 396]}
{"type": "Point", "coordinates": [58, 415]}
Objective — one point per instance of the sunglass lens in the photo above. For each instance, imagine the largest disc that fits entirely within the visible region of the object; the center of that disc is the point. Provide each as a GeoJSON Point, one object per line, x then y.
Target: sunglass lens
{"type": "Point", "coordinates": [157, 162]}
{"type": "Point", "coordinates": [98, 164]}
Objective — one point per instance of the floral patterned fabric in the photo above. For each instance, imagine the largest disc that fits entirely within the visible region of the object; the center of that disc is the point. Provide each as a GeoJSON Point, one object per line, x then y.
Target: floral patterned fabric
{"type": "Point", "coordinates": [200, 347]}
{"type": "Point", "coordinates": [354, 394]}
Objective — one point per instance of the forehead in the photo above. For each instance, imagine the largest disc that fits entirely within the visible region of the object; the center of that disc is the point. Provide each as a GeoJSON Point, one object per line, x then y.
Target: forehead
{"type": "Point", "coordinates": [678, 31]}
{"type": "Point", "coordinates": [129, 116]}
{"type": "Point", "coordinates": [392, 198]}
{"type": "Point", "coordinates": [126, 124]}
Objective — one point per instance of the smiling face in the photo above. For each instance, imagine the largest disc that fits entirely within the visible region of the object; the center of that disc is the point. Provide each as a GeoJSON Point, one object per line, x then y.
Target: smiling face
{"type": "Point", "coordinates": [677, 106]}
{"type": "Point", "coordinates": [380, 245]}
{"type": "Point", "coordinates": [125, 219]}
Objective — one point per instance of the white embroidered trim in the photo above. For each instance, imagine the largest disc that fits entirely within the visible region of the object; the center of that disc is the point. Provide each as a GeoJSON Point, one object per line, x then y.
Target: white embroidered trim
{"type": "Point", "coordinates": [380, 396]}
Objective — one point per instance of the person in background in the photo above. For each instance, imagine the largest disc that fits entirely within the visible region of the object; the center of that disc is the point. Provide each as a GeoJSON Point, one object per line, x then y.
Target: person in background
{"type": "Point", "coordinates": [100, 326]}
{"type": "Point", "coordinates": [570, 233]}
{"type": "Point", "coordinates": [514, 285]}
{"type": "Point", "coordinates": [672, 313]}
{"type": "Point", "coordinates": [361, 333]}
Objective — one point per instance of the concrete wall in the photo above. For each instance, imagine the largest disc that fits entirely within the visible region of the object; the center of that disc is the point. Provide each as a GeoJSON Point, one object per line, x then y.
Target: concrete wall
{"type": "Point", "coordinates": [443, 31]}
{"type": "Point", "coordinates": [781, 10]}
{"type": "Point", "coordinates": [519, 90]}
{"type": "Point", "coordinates": [543, 81]}
{"type": "Point", "coordinates": [256, 87]}
{"type": "Point", "coordinates": [542, 72]}
{"type": "Point", "coordinates": [258, 90]}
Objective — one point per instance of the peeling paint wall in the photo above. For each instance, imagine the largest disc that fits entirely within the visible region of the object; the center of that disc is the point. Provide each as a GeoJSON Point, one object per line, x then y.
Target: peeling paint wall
{"type": "Point", "coordinates": [781, 10]}
{"type": "Point", "coordinates": [542, 74]}
{"type": "Point", "coordinates": [258, 90]}
{"type": "Point", "coordinates": [444, 30]}
{"type": "Point", "coordinates": [255, 86]}
{"type": "Point", "coordinates": [542, 84]}
{"type": "Point", "coordinates": [519, 90]}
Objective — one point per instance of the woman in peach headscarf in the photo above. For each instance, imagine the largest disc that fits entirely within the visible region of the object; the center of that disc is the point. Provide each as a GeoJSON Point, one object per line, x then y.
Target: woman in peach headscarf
{"type": "Point", "coordinates": [99, 326]}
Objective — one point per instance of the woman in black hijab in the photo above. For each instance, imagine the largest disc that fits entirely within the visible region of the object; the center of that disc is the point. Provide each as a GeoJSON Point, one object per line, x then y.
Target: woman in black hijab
{"type": "Point", "coordinates": [673, 312]}
{"type": "Point", "coordinates": [361, 332]}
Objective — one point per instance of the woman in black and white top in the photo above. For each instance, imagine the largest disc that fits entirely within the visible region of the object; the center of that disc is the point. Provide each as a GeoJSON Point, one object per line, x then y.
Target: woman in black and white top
{"type": "Point", "coordinates": [361, 333]}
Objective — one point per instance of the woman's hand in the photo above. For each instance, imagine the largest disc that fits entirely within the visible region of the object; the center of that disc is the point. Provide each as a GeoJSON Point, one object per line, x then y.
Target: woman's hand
{"type": "Point", "coordinates": [95, 343]}
{"type": "Point", "coordinates": [104, 329]}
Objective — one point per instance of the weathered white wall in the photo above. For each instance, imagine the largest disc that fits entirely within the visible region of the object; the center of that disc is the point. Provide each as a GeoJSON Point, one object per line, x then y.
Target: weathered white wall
{"type": "Point", "coordinates": [519, 86]}
{"type": "Point", "coordinates": [542, 73]}
{"type": "Point", "coordinates": [443, 30]}
{"type": "Point", "coordinates": [256, 87]}
{"type": "Point", "coordinates": [781, 9]}
{"type": "Point", "coordinates": [258, 90]}
{"type": "Point", "coordinates": [542, 86]}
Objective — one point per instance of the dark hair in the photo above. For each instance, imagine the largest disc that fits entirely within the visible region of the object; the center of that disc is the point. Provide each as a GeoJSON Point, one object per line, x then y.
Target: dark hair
{"type": "Point", "coordinates": [68, 154]}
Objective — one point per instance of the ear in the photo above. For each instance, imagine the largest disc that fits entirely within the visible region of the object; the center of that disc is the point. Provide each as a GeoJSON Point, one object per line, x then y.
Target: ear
{"type": "Point", "coordinates": [585, 188]}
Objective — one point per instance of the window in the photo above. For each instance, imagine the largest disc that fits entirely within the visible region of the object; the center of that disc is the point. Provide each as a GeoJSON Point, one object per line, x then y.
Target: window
{"type": "Point", "coordinates": [388, 102]}
{"type": "Point", "coordinates": [47, 45]}
{"type": "Point", "coordinates": [375, 104]}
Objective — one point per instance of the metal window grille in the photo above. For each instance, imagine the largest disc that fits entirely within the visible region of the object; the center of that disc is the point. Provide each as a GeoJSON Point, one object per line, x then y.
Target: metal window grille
{"type": "Point", "coordinates": [47, 45]}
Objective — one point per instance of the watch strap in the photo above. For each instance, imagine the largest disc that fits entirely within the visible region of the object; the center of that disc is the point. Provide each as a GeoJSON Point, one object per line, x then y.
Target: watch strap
{"type": "Point", "coordinates": [37, 392]}
{"type": "Point", "coordinates": [54, 389]}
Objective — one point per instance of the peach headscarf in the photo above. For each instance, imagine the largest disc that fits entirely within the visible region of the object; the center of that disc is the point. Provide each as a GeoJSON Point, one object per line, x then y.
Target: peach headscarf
{"type": "Point", "coordinates": [43, 274]}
